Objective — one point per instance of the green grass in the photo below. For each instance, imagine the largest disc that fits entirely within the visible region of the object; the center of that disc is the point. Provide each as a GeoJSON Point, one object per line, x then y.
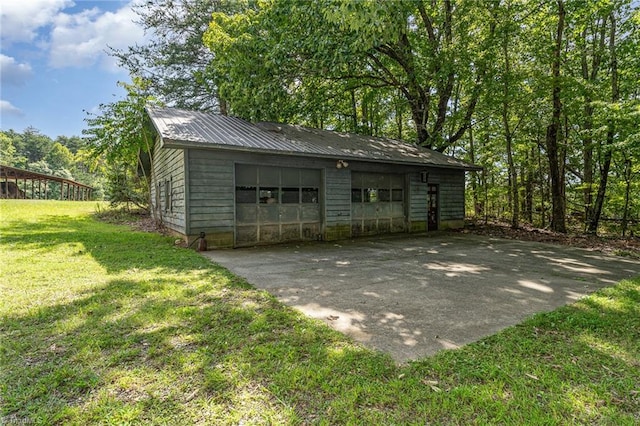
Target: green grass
{"type": "Point", "coordinates": [103, 325]}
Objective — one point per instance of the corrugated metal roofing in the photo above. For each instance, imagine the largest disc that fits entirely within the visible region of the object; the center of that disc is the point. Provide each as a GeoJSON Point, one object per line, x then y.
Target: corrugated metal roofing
{"type": "Point", "coordinates": [182, 128]}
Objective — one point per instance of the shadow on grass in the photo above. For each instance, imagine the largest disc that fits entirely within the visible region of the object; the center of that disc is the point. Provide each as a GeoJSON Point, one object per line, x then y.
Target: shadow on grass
{"type": "Point", "coordinates": [114, 247]}
{"type": "Point", "coordinates": [159, 350]}
{"type": "Point", "coordinates": [184, 341]}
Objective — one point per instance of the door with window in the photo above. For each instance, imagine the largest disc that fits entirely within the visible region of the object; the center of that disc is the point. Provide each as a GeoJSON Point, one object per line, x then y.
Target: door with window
{"type": "Point", "coordinates": [377, 203]}
{"type": "Point", "coordinates": [432, 207]}
{"type": "Point", "coordinates": [276, 204]}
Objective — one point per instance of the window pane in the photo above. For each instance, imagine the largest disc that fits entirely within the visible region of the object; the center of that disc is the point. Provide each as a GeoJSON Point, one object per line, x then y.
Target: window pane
{"type": "Point", "coordinates": [397, 195]}
{"type": "Point", "coordinates": [371, 195]}
{"type": "Point", "coordinates": [383, 195]}
{"type": "Point", "coordinates": [356, 195]}
{"type": "Point", "coordinates": [290, 195]}
{"type": "Point", "coordinates": [310, 195]}
{"type": "Point", "coordinates": [268, 195]}
{"type": "Point", "coordinates": [245, 194]}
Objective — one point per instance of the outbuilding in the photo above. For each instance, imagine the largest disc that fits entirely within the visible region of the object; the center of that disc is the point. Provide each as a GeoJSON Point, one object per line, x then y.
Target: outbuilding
{"type": "Point", "coordinates": [243, 184]}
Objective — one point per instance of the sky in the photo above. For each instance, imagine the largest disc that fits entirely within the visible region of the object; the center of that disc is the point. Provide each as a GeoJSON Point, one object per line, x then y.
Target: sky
{"type": "Point", "coordinates": [53, 65]}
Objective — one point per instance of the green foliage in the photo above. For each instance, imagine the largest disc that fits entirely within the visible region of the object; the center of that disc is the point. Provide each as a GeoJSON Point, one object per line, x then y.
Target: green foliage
{"type": "Point", "coordinates": [174, 61]}
{"type": "Point", "coordinates": [281, 60]}
{"type": "Point", "coordinates": [59, 157]}
{"type": "Point", "coordinates": [7, 150]}
{"type": "Point", "coordinates": [53, 158]}
{"type": "Point", "coordinates": [32, 144]}
{"type": "Point", "coordinates": [120, 134]}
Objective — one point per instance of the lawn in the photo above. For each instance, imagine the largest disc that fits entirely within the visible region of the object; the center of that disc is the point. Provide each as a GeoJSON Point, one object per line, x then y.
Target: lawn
{"type": "Point", "coordinates": [100, 324]}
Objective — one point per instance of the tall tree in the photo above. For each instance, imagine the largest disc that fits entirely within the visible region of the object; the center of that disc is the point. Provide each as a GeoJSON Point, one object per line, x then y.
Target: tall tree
{"type": "Point", "coordinates": [122, 134]}
{"type": "Point", "coordinates": [174, 60]}
{"type": "Point", "coordinates": [611, 132]}
{"type": "Point", "coordinates": [433, 53]}
{"type": "Point", "coordinates": [552, 140]}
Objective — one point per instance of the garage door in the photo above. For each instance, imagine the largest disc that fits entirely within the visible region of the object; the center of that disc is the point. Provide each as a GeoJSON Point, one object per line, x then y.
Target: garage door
{"type": "Point", "coordinates": [377, 203]}
{"type": "Point", "coordinates": [276, 204]}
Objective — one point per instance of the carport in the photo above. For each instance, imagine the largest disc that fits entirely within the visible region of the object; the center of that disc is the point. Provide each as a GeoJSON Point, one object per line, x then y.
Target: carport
{"type": "Point", "coordinates": [412, 296]}
{"type": "Point", "coordinates": [21, 184]}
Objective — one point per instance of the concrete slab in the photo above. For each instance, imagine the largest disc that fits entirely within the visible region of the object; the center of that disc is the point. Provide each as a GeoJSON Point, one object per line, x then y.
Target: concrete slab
{"type": "Point", "coordinates": [411, 296]}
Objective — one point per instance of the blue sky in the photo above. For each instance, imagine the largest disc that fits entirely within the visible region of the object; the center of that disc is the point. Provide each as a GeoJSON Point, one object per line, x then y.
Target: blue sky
{"type": "Point", "coordinates": [52, 62]}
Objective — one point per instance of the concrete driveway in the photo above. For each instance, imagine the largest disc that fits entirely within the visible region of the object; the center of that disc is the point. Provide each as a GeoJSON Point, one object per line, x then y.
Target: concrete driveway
{"type": "Point", "coordinates": [411, 296]}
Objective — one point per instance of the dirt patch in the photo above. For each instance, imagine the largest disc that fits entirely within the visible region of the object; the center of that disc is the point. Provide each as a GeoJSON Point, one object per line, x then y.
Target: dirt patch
{"type": "Point", "coordinates": [628, 247]}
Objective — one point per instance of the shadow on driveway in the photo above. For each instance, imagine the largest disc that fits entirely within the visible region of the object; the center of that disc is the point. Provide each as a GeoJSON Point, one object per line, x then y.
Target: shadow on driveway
{"type": "Point", "coordinates": [411, 296]}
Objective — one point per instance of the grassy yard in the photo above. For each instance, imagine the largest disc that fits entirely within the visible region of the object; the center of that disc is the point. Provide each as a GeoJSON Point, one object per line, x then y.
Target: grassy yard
{"type": "Point", "coordinates": [103, 325]}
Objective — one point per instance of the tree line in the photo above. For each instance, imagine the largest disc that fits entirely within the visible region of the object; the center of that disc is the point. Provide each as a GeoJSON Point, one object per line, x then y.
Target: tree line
{"type": "Point", "coordinates": [65, 157]}
{"type": "Point", "coordinates": [544, 95]}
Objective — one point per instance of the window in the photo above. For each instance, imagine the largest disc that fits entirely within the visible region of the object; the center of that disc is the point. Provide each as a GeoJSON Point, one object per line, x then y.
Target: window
{"type": "Point", "coordinates": [246, 194]}
{"type": "Point", "coordinates": [167, 195]}
{"type": "Point", "coordinates": [159, 197]}
{"type": "Point", "coordinates": [371, 195]}
{"type": "Point", "coordinates": [275, 185]}
{"type": "Point", "coordinates": [310, 195]}
{"type": "Point", "coordinates": [377, 188]}
{"type": "Point", "coordinates": [269, 195]}
{"type": "Point", "coordinates": [290, 195]}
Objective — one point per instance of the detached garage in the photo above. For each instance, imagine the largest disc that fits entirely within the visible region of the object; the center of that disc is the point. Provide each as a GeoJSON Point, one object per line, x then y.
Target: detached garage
{"type": "Point", "coordinates": [245, 184]}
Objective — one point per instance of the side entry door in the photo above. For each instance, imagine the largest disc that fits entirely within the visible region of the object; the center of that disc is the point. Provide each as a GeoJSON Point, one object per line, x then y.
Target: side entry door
{"type": "Point", "coordinates": [432, 206]}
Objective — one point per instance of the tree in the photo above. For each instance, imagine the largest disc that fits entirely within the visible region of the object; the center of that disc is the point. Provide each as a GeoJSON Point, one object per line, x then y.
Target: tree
{"type": "Point", "coordinates": [7, 150]}
{"type": "Point", "coordinates": [174, 62]}
{"type": "Point", "coordinates": [59, 157]}
{"type": "Point", "coordinates": [73, 143]}
{"type": "Point", "coordinates": [33, 145]}
{"type": "Point", "coordinates": [122, 134]}
{"type": "Point", "coordinates": [269, 56]}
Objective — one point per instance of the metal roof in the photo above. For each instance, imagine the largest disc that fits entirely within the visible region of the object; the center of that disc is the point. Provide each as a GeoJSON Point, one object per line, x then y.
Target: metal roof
{"type": "Point", "coordinates": [183, 128]}
{"type": "Point", "coordinates": [13, 173]}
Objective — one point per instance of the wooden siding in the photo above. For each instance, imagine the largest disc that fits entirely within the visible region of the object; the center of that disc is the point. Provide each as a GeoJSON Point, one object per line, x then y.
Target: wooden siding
{"type": "Point", "coordinates": [417, 198]}
{"type": "Point", "coordinates": [450, 195]}
{"type": "Point", "coordinates": [203, 185]}
{"type": "Point", "coordinates": [337, 197]}
{"type": "Point", "coordinates": [211, 183]}
{"type": "Point", "coordinates": [169, 171]}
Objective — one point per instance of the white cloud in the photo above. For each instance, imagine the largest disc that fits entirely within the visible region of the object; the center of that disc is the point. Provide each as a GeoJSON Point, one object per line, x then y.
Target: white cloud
{"type": "Point", "coordinates": [20, 19]}
{"type": "Point", "coordinates": [7, 108]}
{"type": "Point", "coordinates": [81, 39]}
{"type": "Point", "coordinates": [12, 73]}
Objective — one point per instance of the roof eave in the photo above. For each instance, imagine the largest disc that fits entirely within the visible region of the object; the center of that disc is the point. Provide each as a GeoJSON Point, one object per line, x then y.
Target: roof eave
{"type": "Point", "coordinates": [182, 144]}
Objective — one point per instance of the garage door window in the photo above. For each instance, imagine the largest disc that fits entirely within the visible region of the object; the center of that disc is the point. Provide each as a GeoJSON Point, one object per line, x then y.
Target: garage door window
{"type": "Point", "coordinates": [272, 185]}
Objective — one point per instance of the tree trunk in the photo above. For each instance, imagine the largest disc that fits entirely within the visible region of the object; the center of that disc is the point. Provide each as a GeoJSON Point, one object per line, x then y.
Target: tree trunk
{"type": "Point", "coordinates": [627, 191]}
{"type": "Point", "coordinates": [558, 223]}
{"type": "Point", "coordinates": [589, 77]}
{"type": "Point", "coordinates": [529, 187]}
{"type": "Point", "coordinates": [608, 148]}
{"type": "Point", "coordinates": [508, 134]}
{"type": "Point", "coordinates": [477, 211]}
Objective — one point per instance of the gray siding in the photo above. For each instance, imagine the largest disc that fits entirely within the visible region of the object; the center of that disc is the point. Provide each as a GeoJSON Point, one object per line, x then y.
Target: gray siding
{"type": "Point", "coordinates": [211, 185]}
{"type": "Point", "coordinates": [202, 184]}
{"type": "Point", "coordinates": [451, 195]}
{"type": "Point", "coordinates": [417, 198]}
{"type": "Point", "coordinates": [168, 188]}
{"type": "Point", "coordinates": [337, 197]}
